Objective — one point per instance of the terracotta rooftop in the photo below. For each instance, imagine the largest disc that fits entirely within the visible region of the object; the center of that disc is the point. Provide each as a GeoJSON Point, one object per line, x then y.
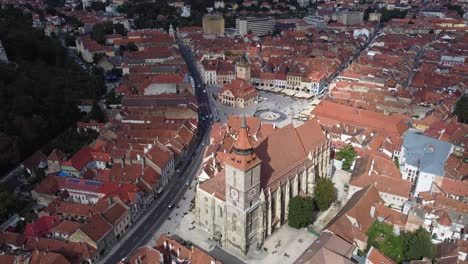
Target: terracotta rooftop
{"type": "Point", "coordinates": [392, 124]}
{"type": "Point", "coordinates": [359, 207]}
{"type": "Point", "coordinates": [383, 172]}
{"type": "Point", "coordinates": [376, 257]}
{"type": "Point", "coordinates": [145, 255]}
{"type": "Point", "coordinates": [66, 227]}
{"type": "Point", "coordinates": [96, 228]}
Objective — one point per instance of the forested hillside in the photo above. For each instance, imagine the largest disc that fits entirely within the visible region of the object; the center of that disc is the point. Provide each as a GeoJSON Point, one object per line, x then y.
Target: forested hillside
{"type": "Point", "coordinates": [39, 90]}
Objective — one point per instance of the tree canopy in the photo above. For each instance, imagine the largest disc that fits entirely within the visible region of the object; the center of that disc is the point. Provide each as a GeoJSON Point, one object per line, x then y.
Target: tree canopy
{"type": "Point", "coordinates": [347, 154]}
{"type": "Point", "coordinates": [417, 245]}
{"type": "Point", "coordinates": [388, 15]}
{"type": "Point", "coordinates": [324, 193]}
{"type": "Point", "coordinates": [100, 31]}
{"type": "Point", "coordinates": [461, 109]}
{"type": "Point", "coordinates": [39, 90]}
{"type": "Point", "coordinates": [300, 211]}
{"type": "Point", "coordinates": [405, 246]}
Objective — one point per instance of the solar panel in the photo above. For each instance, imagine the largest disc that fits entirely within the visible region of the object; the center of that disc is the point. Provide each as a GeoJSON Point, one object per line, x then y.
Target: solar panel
{"type": "Point", "coordinates": [93, 183]}
{"type": "Point", "coordinates": [74, 180]}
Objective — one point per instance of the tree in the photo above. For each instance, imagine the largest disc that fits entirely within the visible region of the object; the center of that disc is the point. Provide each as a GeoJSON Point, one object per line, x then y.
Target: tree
{"type": "Point", "coordinates": [40, 92]}
{"type": "Point", "coordinates": [388, 15]}
{"type": "Point", "coordinates": [70, 41]}
{"type": "Point", "coordinates": [347, 154]}
{"type": "Point", "coordinates": [324, 193]}
{"type": "Point", "coordinates": [100, 31]}
{"type": "Point", "coordinates": [97, 57]}
{"type": "Point", "coordinates": [131, 46]}
{"type": "Point", "coordinates": [97, 6]}
{"type": "Point", "coordinates": [120, 29]}
{"type": "Point", "coordinates": [418, 245]}
{"type": "Point", "coordinates": [97, 114]}
{"type": "Point", "coordinates": [300, 211]}
{"type": "Point", "coordinates": [461, 109]}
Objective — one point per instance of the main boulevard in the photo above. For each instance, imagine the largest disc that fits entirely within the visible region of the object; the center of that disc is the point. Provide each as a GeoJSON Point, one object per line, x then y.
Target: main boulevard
{"type": "Point", "coordinates": [143, 230]}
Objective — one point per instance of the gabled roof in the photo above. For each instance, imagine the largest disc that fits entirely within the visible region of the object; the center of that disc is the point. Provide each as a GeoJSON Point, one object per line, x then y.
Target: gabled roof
{"type": "Point", "coordinates": [96, 228]}
{"type": "Point", "coordinates": [42, 226]}
{"type": "Point", "coordinates": [327, 249]}
{"type": "Point", "coordinates": [358, 207]}
{"type": "Point", "coordinates": [115, 213]}
{"type": "Point", "coordinates": [56, 155]}
{"type": "Point", "coordinates": [377, 257]}
{"type": "Point", "coordinates": [44, 257]}
{"type": "Point", "coordinates": [77, 252]}
{"type": "Point", "coordinates": [66, 227]}
{"type": "Point", "coordinates": [240, 89]}
{"type": "Point", "coordinates": [145, 255]}
{"type": "Point", "coordinates": [35, 160]}
{"type": "Point", "coordinates": [391, 124]}
{"type": "Point", "coordinates": [383, 172]}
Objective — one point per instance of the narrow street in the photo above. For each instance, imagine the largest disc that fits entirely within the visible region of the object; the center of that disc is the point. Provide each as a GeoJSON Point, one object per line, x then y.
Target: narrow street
{"type": "Point", "coordinates": [143, 231]}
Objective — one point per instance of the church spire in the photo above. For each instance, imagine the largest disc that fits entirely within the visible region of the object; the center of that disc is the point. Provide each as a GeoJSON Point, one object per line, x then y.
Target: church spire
{"type": "Point", "coordinates": [242, 145]}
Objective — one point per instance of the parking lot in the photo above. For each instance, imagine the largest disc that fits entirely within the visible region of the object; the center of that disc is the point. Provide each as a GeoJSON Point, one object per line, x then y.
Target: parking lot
{"type": "Point", "coordinates": [289, 106]}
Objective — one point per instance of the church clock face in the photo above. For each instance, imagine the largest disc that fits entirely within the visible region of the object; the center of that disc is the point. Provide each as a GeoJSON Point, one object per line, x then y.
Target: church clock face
{"type": "Point", "coordinates": [234, 194]}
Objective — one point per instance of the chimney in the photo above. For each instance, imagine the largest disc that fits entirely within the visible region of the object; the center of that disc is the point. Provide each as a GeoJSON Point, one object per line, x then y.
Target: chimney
{"type": "Point", "coordinates": [371, 168]}
{"type": "Point", "coordinates": [372, 211]}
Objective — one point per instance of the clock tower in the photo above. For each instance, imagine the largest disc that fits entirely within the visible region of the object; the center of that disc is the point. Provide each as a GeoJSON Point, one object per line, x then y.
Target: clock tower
{"type": "Point", "coordinates": [242, 181]}
{"type": "Point", "coordinates": [243, 69]}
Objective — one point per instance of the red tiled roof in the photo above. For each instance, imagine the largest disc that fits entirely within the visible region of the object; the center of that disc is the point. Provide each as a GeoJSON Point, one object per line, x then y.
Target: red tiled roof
{"type": "Point", "coordinates": [359, 208]}
{"type": "Point", "coordinates": [240, 89]}
{"type": "Point", "coordinates": [383, 172]}
{"type": "Point", "coordinates": [66, 227]}
{"type": "Point", "coordinates": [44, 257]}
{"type": "Point", "coordinates": [391, 124]}
{"type": "Point", "coordinates": [115, 213]}
{"type": "Point", "coordinates": [42, 226]}
{"type": "Point", "coordinates": [84, 156]}
{"type": "Point", "coordinates": [34, 160]}
{"type": "Point", "coordinates": [145, 255]}
{"type": "Point", "coordinates": [96, 227]}
{"type": "Point", "coordinates": [377, 257]}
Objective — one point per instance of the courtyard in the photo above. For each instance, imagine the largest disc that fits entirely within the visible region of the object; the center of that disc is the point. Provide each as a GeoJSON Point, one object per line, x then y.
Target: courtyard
{"type": "Point", "coordinates": [283, 246]}
{"type": "Point", "coordinates": [272, 107]}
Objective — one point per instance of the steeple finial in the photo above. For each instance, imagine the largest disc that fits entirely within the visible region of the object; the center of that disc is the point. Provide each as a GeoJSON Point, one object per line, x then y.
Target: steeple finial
{"type": "Point", "coordinates": [244, 123]}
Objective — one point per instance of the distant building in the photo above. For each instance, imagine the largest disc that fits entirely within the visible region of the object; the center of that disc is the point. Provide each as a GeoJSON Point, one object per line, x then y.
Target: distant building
{"type": "Point", "coordinates": [315, 21]}
{"type": "Point", "coordinates": [255, 25]}
{"type": "Point", "coordinates": [240, 92]}
{"type": "Point", "coordinates": [375, 16]}
{"type": "Point", "coordinates": [213, 24]}
{"type": "Point", "coordinates": [434, 11]}
{"type": "Point", "coordinates": [219, 4]}
{"type": "Point", "coordinates": [350, 18]}
{"type": "Point", "coordinates": [303, 3]}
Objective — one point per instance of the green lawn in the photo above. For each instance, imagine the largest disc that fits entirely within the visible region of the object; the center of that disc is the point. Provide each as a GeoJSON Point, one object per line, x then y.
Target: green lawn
{"type": "Point", "coordinates": [381, 236]}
